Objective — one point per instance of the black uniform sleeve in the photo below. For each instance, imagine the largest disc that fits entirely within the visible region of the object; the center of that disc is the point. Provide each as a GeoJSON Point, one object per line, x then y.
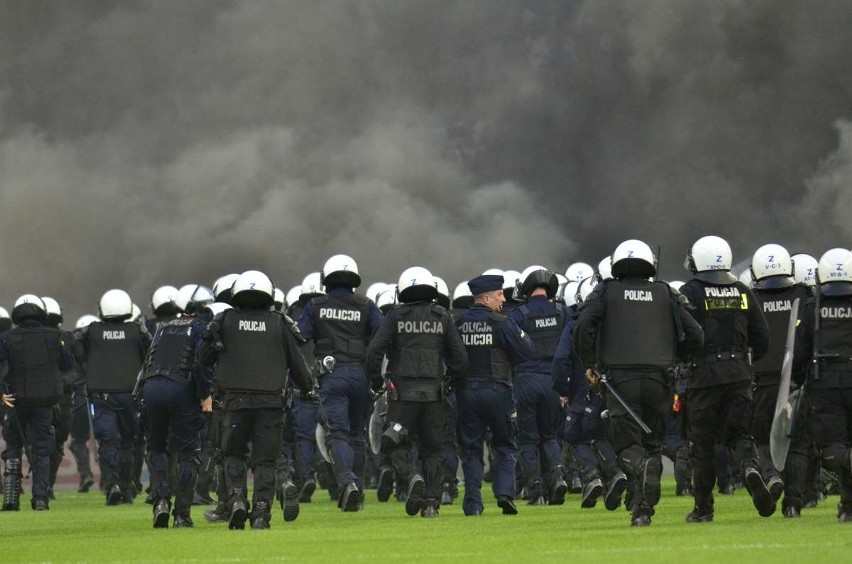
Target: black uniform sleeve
{"type": "Point", "coordinates": [4, 366]}
{"type": "Point", "coordinates": [803, 350]}
{"type": "Point", "coordinates": [563, 360]}
{"type": "Point", "coordinates": [758, 328]}
{"type": "Point", "coordinates": [207, 351]}
{"type": "Point", "coordinates": [455, 353]}
{"type": "Point", "coordinates": [379, 346]}
{"type": "Point", "coordinates": [693, 335]}
{"type": "Point", "coordinates": [591, 314]}
{"type": "Point", "coordinates": [300, 372]}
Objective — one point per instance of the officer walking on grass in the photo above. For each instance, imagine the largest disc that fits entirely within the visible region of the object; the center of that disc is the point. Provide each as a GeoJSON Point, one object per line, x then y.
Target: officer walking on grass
{"type": "Point", "coordinates": [484, 397]}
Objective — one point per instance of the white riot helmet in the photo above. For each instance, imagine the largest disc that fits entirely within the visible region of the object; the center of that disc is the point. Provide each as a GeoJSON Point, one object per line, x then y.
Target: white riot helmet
{"type": "Point", "coordinates": [192, 297]}
{"type": "Point", "coordinates": [115, 304]}
{"type": "Point", "coordinates": [710, 260]}
{"type": "Point", "coordinates": [222, 287]}
{"type": "Point", "coordinates": [341, 270]}
{"type": "Point", "coordinates": [416, 284]}
{"type": "Point", "coordinates": [676, 284]}
{"type": "Point", "coordinates": [85, 321]}
{"type": "Point", "coordinates": [569, 293]}
{"type": "Point", "coordinates": [163, 300]}
{"type": "Point", "coordinates": [279, 300]}
{"type": "Point", "coordinates": [54, 312]}
{"type": "Point", "coordinates": [29, 305]}
{"type": "Point", "coordinates": [511, 279]}
{"type": "Point", "coordinates": [374, 289]}
{"type": "Point", "coordinates": [217, 307]}
{"type": "Point", "coordinates": [443, 298]}
{"type": "Point", "coordinates": [561, 283]}
{"type": "Point", "coordinates": [772, 268]}
{"type": "Point", "coordinates": [5, 320]}
{"type": "Point", "coordinates": [293, 295]}
{"type": "Point", "coordinates": [579, 271]}
{"type": "Point", "coordinates": [494, 272]}
{"type": "Point", "coordinates": [311, 286]}
{"type": "Point", "coordinates": [633, 257]}
{"type": "Point", "coordinates": [604, 269]}
{"type": "Point", "coordinates": [805, 268]}
{"type": "Point", "coordinates": [584, 289]}
{"type": "Point", "coordinates": [4, 313]}
{"type": "Point", "coordinates": [462, 298]}
{"type": "Point", "coordinates": [834, 273]}
{"type": "Point", "coordinates": [252, 289]}
{"type": "Point", "coordinates": [387, 299]}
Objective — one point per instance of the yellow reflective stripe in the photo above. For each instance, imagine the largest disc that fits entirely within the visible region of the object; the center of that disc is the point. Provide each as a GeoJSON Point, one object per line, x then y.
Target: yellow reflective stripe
{"type": "Point", "coordinates": [744, 301]}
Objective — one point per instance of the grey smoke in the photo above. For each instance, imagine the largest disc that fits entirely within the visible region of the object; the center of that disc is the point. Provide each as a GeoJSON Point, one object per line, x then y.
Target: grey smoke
{"type": "Point", "coordinates": [144, 143]}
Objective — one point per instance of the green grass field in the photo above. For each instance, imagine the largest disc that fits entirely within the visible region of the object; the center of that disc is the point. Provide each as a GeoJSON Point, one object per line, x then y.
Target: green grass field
{"type": "Point", "coordinates": [80, 528]}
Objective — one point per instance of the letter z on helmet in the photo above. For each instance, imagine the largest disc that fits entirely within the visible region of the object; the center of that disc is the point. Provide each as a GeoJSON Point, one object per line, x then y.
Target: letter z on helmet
{"type": "Point", "coordinates": [633, 257]}
{"type": "Point", "coordinates": [710, 259]}
{"type": "Point", "coordinates": [252, 289]}
{"type": "Point", "coordinates": [772, 268]}
{"type": "Point", "coordinates": [835, 272]}
{"type": "Point", "coordinates": [341, 270]}
{"type": "Point", "coordinates": [416, 284]}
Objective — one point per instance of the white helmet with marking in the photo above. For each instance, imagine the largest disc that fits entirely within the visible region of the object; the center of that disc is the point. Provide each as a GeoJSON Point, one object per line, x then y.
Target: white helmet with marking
{"type": "Point", "coordinates": [341, 269]}
{"type": "Point", "coordinates": [710, 259]}
{"type": "Point", "coordinates": [416, 284]}
{"type": "Point", "coordinates": [252, 289]}
{"type": "Point", "coordinates": [805, 268]}
{"type": "Point", "coordinates": [834, 273]}
{"type": "Point", "coordinates": [772, 268]}
{"type": "Point", "coordinates": [164, 296]}
{"type": "Point", "coordinates": [29, 305]}
{"type": "Point", "coordinates": [579, 271]}
{"type": "Point", "coordinates": [633, 257]}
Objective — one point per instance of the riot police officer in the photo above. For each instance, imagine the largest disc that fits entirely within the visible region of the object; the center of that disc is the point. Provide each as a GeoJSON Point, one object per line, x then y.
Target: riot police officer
{"type": "Point", "coordinates": [537, 403]}
{"type": "Point", "coordinates": [776, 290]}
{"type": "Point", "coordinates": [81, 428]}
{"type": "Point", "coordinates": [175, 393]}
{"type": "Point", "coordinates": [341, 325]}
{"type": "Point", "coordinates": [163, 306]}
{"type": "Point", "coordinates": [720, 395]}
{"type": "Point", "coordinates": [73, 385]}
{"type": "Point", "coordinates": [112, 351]}
{"type": "Point", "coordinates": [419, 339]}
{"type": "Point", "coordinates": [304, 413]}
{"type": "Point", "coordinates": [584, 430]}
{"type": "Point", "coordinates": [633, 329]}
{"type": "Point", "coordinates": [484, 398]}
{"type": "Point", "coordinates": [252, 349]}
{"type": "Point", "coordinates": [32, 357]}
{"type": "Point", "coordinates": [823, 354]}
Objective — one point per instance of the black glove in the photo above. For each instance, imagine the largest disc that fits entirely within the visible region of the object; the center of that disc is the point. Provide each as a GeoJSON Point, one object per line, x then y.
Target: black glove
{"type": "Point", "coordinates": [309, 396]}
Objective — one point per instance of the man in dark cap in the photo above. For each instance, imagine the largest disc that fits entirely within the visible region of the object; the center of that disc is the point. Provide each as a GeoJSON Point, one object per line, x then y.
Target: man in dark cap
{"type": "Point", "coordinates": [484, 395]}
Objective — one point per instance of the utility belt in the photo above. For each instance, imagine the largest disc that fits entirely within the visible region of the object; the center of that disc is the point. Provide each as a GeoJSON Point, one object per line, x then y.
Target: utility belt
{"type": "Point", "coordinates": [723, 355]}
{"type": "Point", "coordinates": [482, 385]}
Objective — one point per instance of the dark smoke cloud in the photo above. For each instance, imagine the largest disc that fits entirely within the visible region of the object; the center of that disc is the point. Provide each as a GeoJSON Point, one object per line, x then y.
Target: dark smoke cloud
{"type": "Point", "coordinates": [144, 143]}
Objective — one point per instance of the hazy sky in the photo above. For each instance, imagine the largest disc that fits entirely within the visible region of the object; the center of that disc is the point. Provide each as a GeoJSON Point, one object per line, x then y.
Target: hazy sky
{"type": "Point", "coordinates": [146, 143]}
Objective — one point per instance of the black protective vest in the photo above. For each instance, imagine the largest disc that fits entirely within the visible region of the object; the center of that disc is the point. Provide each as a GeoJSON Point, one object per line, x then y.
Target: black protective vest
{"type": "Point", "coordinates": [483, 341]}
{"type": "Point", "coordinates": [113, 359]}
{"type": "Point", "coordinates": [639, 327]}
{"type": "Point", "coordinates": [722, 312]}
{"type": "Point", "coordinates": [776, 307]}
{"type": "Point", "coordinates": [171, 353]}
{"type": "Point", "coordinates": [254, 359]}
{"type": "Point", "coordinates": [341, 328]}
{"type": "Point", "coordinates": [416, 362]}
{"type": "Point", "coordinates": [34, 373]}
{"type": "Point", "coordinates": [835, 335]}
{"type": "Point", "coordinates": [544, 329]}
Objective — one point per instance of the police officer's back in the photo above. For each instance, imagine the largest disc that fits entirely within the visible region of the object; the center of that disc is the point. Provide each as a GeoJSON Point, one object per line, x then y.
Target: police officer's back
{"type": "Point", "coordinates": [419, 339]}
{"type": "Point", "coordinates": [252, 349]}
{"type": "Point", "coordinates": [32, 357]}
{"type": "Point", "coordinates": [495, 344]}
{"type": "Point", "coordinates": [720, 394]}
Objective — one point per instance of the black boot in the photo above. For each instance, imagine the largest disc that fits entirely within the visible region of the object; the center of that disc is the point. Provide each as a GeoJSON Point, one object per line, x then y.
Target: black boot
{"type": "Point", "coordinates": [161, 514]}
{"type": "Point", "coordinates": [591, 492]}
{"type": "Point", "coordinates": [12, 485]}
{"type": "Point", "coordinates": [239, 511]}
{"type": "Point", "coordinates": [414, 497]}
{"type": "Point", "coordinates": [260, 515]}
{"type": "Point", "coordinates": [289, 494]}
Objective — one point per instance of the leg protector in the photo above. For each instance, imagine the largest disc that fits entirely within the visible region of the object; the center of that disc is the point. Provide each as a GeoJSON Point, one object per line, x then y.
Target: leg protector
{"type": "Point", "coordinates": [12, 485]}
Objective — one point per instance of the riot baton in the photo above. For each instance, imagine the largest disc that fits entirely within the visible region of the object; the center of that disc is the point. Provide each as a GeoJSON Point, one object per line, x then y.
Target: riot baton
{"type": "Point", "coordinates": [611, 391]}
{"type": "Point", "coordinates": [90, 412]}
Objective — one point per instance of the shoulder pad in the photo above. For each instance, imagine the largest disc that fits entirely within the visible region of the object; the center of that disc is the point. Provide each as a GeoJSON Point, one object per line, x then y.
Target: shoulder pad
{"type": "Point", "coordinates": [360, 300]}
{"type": "Point", "coordinates": [319, 300]}
{"type": "Point", "coordinates": [497, 316]}
{"type": "Point", "coordinates": [439, 309]}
